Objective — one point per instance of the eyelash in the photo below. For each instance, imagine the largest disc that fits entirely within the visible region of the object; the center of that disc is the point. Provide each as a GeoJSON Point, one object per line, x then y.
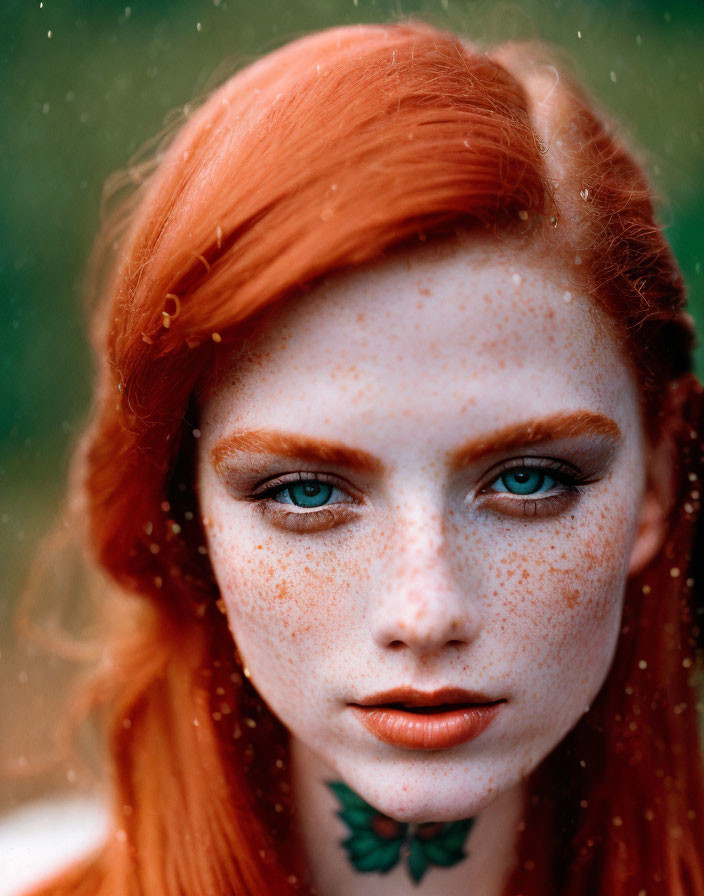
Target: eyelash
{"type": "Point", "coordinates": [568, 479]}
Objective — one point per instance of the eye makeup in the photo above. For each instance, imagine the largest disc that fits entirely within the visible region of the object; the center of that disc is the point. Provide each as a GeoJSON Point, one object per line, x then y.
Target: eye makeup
{"type": "Point", "coordinates": [534, 487]}
{"type": "Point", "coordinates": [289, 502]}
{"type": "Point", "coordinates": [528, 486]}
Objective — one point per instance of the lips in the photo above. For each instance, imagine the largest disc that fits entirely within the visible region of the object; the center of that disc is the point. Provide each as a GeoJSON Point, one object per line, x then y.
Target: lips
{"type": "Point", "coordinates": [418, 720]}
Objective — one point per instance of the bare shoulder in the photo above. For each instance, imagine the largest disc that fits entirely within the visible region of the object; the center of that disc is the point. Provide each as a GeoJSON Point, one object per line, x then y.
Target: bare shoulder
{"type": "Point", "coordinates": [41, 838]}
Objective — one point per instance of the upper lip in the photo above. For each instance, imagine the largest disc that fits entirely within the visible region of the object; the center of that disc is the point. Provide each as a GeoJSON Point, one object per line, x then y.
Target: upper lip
{"type": "Point", "coordinates": [414, 697]}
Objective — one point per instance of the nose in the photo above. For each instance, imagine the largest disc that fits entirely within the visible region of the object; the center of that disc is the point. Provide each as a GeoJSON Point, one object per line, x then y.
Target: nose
{"type": "Point", "coordinates": [426, 602]}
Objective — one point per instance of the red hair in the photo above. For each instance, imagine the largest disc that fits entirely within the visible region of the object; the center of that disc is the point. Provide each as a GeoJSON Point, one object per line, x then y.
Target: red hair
{"type": "Point", "coordinates": [324, 155]}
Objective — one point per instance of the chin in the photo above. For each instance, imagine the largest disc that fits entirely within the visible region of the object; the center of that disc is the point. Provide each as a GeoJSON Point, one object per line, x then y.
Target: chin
{"type": "Point", "coordinates": [414, 797]}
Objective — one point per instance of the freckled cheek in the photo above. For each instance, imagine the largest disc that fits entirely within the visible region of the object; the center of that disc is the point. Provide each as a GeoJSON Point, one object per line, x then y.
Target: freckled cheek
{"type": "Point", "coordinates": [561, 591]}
{"type": "Point", "coordinates": [286, 586]}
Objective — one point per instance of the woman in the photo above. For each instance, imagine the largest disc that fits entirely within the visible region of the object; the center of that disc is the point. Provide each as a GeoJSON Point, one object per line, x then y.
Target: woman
{"type": "Point", "coordinates": [396, 451]}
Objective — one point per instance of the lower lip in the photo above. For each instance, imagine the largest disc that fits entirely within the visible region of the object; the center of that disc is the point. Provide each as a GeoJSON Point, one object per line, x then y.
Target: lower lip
{"type": "Point", "coordinates": [436, 731]}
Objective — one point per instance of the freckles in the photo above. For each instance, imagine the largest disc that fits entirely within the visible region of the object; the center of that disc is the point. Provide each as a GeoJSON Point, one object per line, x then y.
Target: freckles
{"type": "Point", "coordinates": [571, 597]}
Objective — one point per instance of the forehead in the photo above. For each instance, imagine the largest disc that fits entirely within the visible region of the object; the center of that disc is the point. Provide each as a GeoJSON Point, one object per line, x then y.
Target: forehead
{"type": "Point", "coordinates": [476, 329]}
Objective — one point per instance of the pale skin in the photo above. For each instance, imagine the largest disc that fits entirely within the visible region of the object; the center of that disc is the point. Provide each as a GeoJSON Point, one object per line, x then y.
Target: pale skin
{"type": "Point", "coordinates": [412, 387]}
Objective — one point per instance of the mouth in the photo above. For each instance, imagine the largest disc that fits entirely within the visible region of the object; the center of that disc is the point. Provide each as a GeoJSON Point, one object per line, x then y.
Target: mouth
{"type": "Point", "coordinates": [432, 710]}
{"type": "Point", "coordinates": [417, 720]}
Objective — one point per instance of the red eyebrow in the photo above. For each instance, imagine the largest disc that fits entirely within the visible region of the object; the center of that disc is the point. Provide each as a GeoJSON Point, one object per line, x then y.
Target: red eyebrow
{"type": "Point", "coordinates": [262, 441]}
{"type": "Point", "coordinates": [518, 435]}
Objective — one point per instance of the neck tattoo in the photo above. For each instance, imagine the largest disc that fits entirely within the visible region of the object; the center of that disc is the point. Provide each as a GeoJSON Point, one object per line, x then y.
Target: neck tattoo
{"type": "Point", "coordinates": [377, 843]}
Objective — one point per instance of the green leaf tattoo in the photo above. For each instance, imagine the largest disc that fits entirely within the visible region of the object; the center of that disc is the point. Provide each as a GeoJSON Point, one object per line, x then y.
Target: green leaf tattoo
{"type": "Point", "coordinates": [378, 843]}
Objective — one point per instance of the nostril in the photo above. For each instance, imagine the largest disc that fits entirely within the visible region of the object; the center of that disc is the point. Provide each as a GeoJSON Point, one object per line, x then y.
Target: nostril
{"type": "Point", "coordinates": [455, 643]}
{"type": "Point", "coordinates": [396, 644]}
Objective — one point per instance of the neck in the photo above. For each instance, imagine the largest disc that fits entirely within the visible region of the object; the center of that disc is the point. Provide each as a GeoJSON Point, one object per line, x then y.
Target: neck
{"type": "Point", "coordinates": [350, 850]}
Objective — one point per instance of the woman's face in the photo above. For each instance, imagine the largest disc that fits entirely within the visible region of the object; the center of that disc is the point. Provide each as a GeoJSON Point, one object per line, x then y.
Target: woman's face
{"type": "Point", "coordinates": [426, 477]}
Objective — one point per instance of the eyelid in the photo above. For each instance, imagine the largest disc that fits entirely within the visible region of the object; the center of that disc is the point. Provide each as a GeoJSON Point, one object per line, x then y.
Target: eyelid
{"type": "Point", "coordinates": [561, 470]}
{"type": "Point", "coordinates": [569, 483]}
{"type": "Point", "coordinates": [301, 520]}
{"type": "Point", "coordinates": [270, 486]}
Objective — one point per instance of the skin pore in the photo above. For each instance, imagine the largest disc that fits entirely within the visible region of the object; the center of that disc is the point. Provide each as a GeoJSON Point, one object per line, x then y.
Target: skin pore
{"type": "Point", "coordinates": [428, 473]}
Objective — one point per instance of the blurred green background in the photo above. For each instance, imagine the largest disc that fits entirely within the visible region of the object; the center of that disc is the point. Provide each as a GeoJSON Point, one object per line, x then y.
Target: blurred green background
{"type": "Point", "coordinates": [84, 83]}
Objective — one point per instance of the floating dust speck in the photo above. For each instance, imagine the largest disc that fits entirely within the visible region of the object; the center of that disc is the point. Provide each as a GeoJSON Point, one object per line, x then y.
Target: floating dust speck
{"type": "Point", "coordinates": [584, 194]}
{"type": "Point", "coordinates": [674, 572]}
{"type": "Point", "coordinates": [642, 664]}
{"type": "Point", "coordinates": [199, 27]}
{"type": "Point", "coordinates": [567, 296]}
{"type": "Point", "coordinates": [579, 35]}
{"type": "Point", "coordinates": [523, 215]}
{"type": "Point", "coordinates": [646, 589]}
{"type": "Point", "coordinates": [516, 279]}
{"type": "Point", "coordinates": [612, 75]}
{"type": "Point", "coordinates": [196, 433]}
{"type": "Point", "coordinates": [172, 305]}
{"type": "Point", "coordinates": [216, 337]}
{"type": "Point", "coordinates": [203, 259]}
{"type": "Point", "coordinates": [49, 34]}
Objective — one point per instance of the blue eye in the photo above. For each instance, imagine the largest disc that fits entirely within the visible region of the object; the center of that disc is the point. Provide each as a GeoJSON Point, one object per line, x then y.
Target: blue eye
{"type": "Point", "coordinates": [309, 493]}
{"type": "Point", "coordinates": [523, 481]}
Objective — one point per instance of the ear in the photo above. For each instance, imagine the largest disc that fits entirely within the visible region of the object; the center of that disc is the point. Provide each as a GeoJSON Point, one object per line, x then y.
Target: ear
{"type": "Point", "coordinates": [658, 498]}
